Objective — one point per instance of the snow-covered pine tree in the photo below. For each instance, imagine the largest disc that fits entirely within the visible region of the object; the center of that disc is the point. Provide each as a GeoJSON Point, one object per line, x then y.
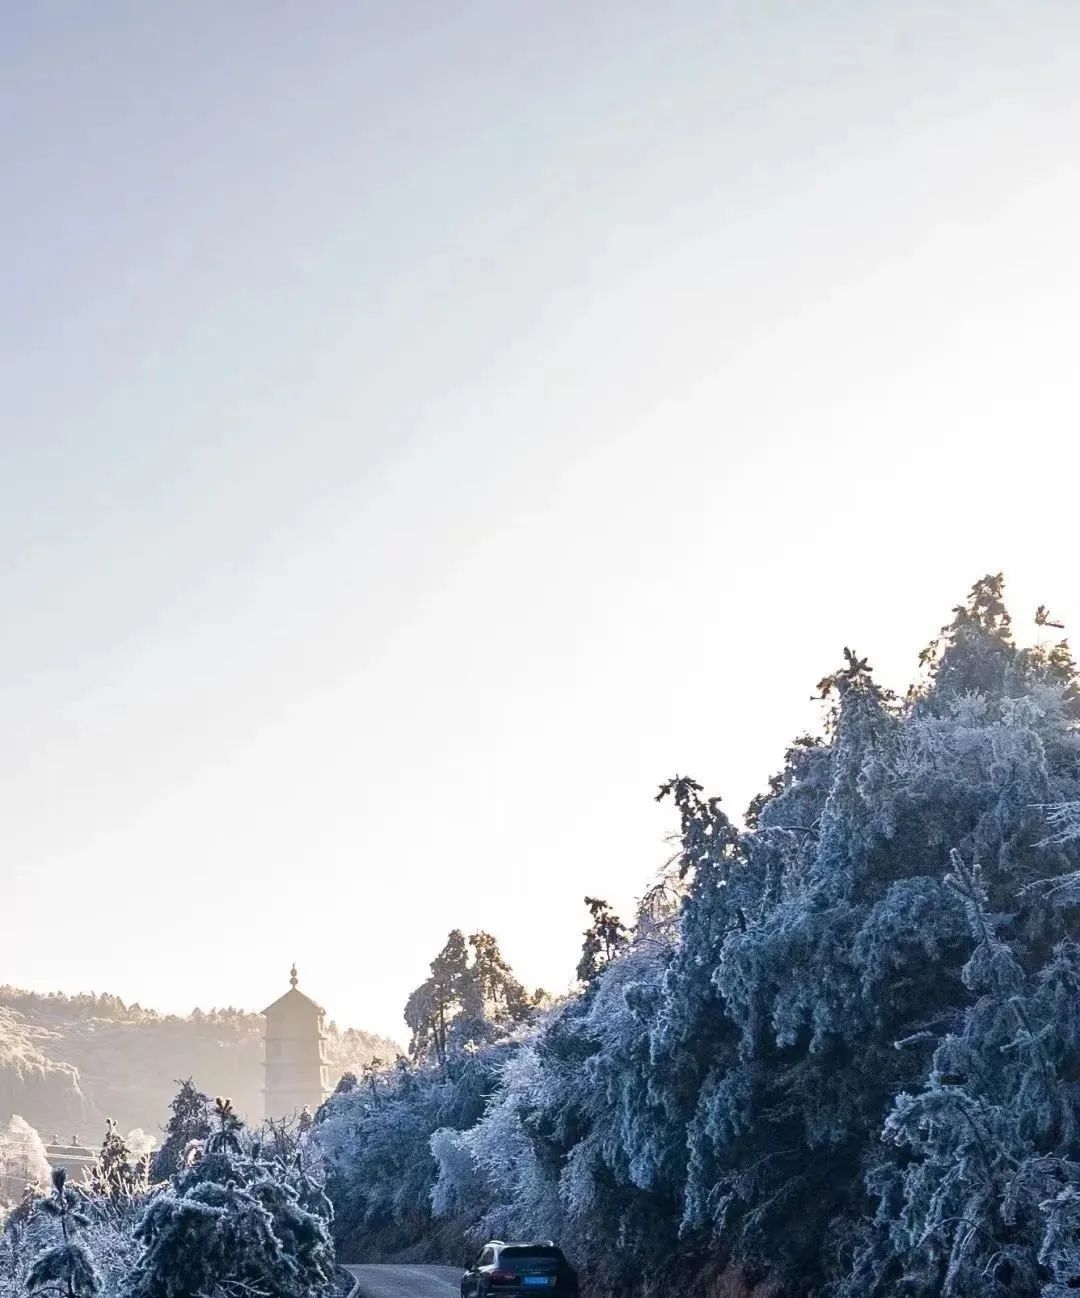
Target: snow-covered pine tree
{"type": "Point", "coordinates": [605, 937]}
{"type": "Point", "coordinates": [235, 1220]}
{"type": "Point", "coordinates": [117, 1175]}
{"type": "Point", "coordinates": [492, 1001]}
{"type": "Point", "coordinates": [470, 999]}
{"type": "Point", "coordinates": [66, 1267]}
{"type": "Point", "coordinates": [432, 1007]}
{"type": "Point", "coordinates": [189, 1123]}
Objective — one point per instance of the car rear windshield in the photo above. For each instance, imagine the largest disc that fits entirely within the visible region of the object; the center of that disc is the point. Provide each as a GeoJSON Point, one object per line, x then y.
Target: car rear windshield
{"type": "Point", "coordinates": [531, 1256]}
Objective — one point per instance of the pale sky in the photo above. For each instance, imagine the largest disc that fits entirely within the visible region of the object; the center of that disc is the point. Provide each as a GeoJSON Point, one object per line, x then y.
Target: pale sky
{"type": "Point", "coordinates": [428, 426]}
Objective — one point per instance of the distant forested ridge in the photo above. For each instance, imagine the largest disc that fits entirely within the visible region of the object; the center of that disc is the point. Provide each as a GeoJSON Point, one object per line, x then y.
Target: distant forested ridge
{"type": "Point", "coordinates": [837, 1052]}
{"type": "Point", "coordinates": [69, 1062]}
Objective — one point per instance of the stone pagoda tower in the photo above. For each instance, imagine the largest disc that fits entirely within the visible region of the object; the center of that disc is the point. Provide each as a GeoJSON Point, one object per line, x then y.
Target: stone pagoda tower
{"type": "Point", "coordinates": [295, 1059]}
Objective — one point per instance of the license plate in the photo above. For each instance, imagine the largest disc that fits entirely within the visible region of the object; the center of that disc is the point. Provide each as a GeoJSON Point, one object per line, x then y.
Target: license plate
{"type": "Point", "coordinates": [537, 1280]}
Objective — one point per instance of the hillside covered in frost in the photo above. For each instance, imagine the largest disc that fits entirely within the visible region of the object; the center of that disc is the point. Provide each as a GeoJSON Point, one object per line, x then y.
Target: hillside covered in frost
{"type": "Point", "coordinates": [69, 1062]}
{"type": "Point", "coordinates": [836, 1052]}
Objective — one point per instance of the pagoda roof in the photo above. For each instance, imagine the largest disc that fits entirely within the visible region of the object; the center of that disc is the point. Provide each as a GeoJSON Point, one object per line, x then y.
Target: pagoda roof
{"type": "Point", "coordinates": [296, 998]}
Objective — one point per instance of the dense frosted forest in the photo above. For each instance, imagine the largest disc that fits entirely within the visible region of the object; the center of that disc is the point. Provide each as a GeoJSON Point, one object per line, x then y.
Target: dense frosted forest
{"type": "Point", "coordinates": [835, 1052]}
{"type": "Point", "coordinates": [838, 1048]}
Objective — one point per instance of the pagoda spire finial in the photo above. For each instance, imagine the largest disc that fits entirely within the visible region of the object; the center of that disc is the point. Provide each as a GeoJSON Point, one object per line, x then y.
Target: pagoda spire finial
{"type": "Point", "coordinates": [292, 975]}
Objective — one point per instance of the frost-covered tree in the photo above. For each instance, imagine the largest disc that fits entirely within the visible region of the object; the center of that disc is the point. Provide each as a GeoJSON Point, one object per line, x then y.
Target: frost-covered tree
{"type": "Point", "coordinates": [604, 938]}
{"type": "Point", "coordinates": [492, 999]}
{"type": "Point", "coordinates": [118, 1174]}
{"type": "Point", "coordinates": [23, 1162]}
{"type": "Point", "coordinates": [226, 1128]}
{"type": "Point", "coordinates": [471, 998]}
{"type": "Point", "coordinates": [65, 1267]}
{"type": "Point", "coordinates": [189, 1123]}
{"type": "Point", "coordinates": [235, 1221]}
{"type": "Point", "coordinates": [432, 1007]}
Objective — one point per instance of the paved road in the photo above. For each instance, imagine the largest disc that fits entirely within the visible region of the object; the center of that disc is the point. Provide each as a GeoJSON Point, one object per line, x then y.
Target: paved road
{"type": "Point", "coordinates": [417, 1281]}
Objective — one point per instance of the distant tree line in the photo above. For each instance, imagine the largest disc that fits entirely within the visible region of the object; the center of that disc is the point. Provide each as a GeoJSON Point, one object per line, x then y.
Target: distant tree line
{"type": "Point", "coordinates": [68, 1062]}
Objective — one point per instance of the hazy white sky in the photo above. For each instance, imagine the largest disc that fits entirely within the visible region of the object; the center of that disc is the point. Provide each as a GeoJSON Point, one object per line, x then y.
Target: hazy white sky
{"type": "Point", "coordinates": [428, 426]}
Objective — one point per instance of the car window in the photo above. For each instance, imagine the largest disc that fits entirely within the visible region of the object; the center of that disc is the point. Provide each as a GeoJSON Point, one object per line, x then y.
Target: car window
{"type": "Point", "coordinates": [531, 1256]}
{"type": "Point", "coordinates": [485, 1257]}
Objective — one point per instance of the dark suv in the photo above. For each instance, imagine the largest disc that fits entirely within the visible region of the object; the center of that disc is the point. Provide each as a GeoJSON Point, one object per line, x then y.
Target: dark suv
{"type": "Point", "coordinates": [512, 1269]}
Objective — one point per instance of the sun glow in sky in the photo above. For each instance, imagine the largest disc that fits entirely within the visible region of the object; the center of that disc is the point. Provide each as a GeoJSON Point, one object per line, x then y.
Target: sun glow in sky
{"type": "Point", "coordinates": [429, 426]}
